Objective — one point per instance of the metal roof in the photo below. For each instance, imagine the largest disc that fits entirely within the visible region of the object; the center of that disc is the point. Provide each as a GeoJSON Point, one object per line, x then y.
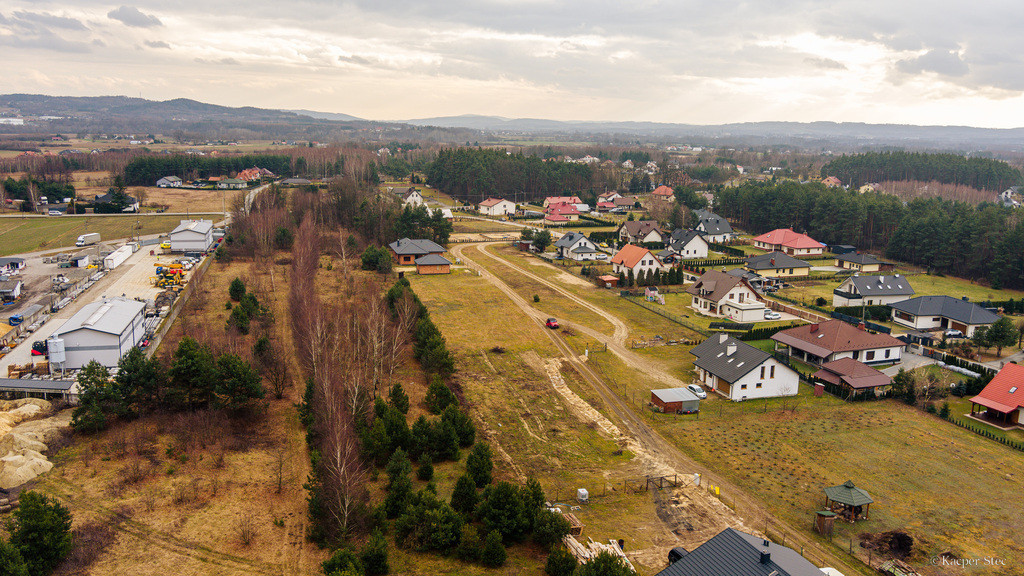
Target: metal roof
{"type": "Point", "coordinates": [881, 285]}
{"type": "Point", "coordinates": [953, 308]}
{"type": "Point", "coordinates": [199, 226]}
{"type": "Point", "coordinates": [847, 493]}
{"type": "Point", "coordinates": [774, 261]}
{"type": "Point", "coordinates": [432, 260]}
{"type": "Point", "coordinates": [862, 259]}
{"type": "Point", "coordinates": [112, 316]}
{"type": "Point", "coordinates": [675, 395]}
{"type": "Point", "coordinates": [19, 385]}
{"type": "Point", "coordinates": [734, 553]}
{"type": "Point", "coordinates": [713, 356]}
{"type": "Point", "coordinates": [407, 247]}
{"type": "Point", "coordinates": [568, 239]}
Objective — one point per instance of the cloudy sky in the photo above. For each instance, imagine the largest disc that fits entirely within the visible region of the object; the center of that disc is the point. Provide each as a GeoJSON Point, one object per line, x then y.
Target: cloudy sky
{"type": "Point", "coordinates": [903, 61]}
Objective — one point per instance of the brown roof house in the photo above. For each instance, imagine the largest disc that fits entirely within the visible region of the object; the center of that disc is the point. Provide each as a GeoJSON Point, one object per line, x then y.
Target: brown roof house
{"type": "Point", "coordinates": [854, 377]}
{"type": "Point", "coordinates": [726, 296]}
{"type": "Point", "coordinates": [641, 232]}
{"type": "Point", "coordinates": [835, 339]}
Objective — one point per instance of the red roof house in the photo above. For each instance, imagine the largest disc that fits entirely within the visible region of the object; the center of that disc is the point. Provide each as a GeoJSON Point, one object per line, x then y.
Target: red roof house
{"type": "Point", "coordinates": [792, 243]}
{"type": "Point", "coordinates": [663, 192]}
{"type": "Point", "coordinates": [569, 211]}
{"type": "Point", "coordinates": [1003, 398]}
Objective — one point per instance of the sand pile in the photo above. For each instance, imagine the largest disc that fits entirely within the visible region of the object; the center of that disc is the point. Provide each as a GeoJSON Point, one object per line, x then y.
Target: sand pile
{"type": "Point", "coordinates": [23, 439]}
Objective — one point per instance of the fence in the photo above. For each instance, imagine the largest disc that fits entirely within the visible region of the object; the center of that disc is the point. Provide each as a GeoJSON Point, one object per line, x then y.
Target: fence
{"type": "Point", "coordinates": [179, 303]}
{"type": "Point", "coordinates": [645, 304]}
{"type": "Point", "coordinates": [798, 312]}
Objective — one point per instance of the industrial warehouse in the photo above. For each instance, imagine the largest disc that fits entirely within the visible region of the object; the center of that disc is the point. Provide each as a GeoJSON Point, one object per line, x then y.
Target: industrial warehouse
{"type": "Point", "coordinates": [102, 331]}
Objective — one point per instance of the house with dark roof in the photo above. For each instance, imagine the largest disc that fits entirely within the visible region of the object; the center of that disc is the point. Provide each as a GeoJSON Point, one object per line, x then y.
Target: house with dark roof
{"type": "Point", "coordinates": [640, 232]}
{"type": "Point", "coordinates": [941, 313]}
{"type": "Point", "coordinates": [723, 295]}
{"type": "Point", "coordinates": [739, 371]}
{"type": "Point", "coordinates": [735, 553]}
{"type": "Point", "coordinates": [872, 290]}
{"type": "Point", "coordinates": [788, 241]}
{"type": "Point", "coordinates": [11, 264]}
{"type": "Point", "coordinates": [576, 246]}
{"type": "Point", "coordinates": [686, 245]}
{"type": "Point", "coordinates": [834, 339]}
{"type": "Point", "coordinates": [1001, 402]}
{"type": "Point", "coordinates": [859, 262]}
{"type": "Point", "coordinates": [406, 251]}
{"type": "Point", "coordinates": [777, 265]}
{"type": "Point", "coordinates": [433, 264]}
{"type": "Point", "coordinates": [131, 204]}
{"type": "Point", "coordinates": [169, 182]}
{"type": "Point", "coordinates": [714, 228]}
{"type": "Point", "coordinates": [856, 377]}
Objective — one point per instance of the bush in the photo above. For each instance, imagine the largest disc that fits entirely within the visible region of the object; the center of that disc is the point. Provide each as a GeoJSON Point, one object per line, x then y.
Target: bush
{"type": "Point", "coordinates": [493, 553]}
{"type": "Point", "coordinates": [605, 564]}
{"type": "Point", "coordinates": [548, 528]}
{"type": "Point", "coordinates": [429, 525]}
{"type": "Point", "coordinates": [536, 298]}
{"type": "Point", "coordinates": [464, 496]}
{"type": "Point", "coordinates": [375, 555]}
{"type": "Point", "coordinates": [479, 465]}
{"type": "Point", "coordinates": [40, 531]}
{"type": "Point", "coordinates": [426, 469]}
{"type": "Point", "coordinates": [502, 509]}
{"type": "Point", "coordinates": [560, 563]}
{"type": "Point", "coordinates": [342, 561]}
{"type": "Point", "coordinates": [944, 412]}
{"type": "Point", "coordinates": [439, 396]}
{"type": "Point", "coordinates": [236, 290]}
{"type": "Point", "coordinates": [469, 546]}
{"type": "Point", "coordinates": [12, 564]}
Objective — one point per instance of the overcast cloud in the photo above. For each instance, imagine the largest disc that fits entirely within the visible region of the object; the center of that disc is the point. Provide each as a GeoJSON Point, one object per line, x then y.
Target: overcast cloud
{"type": "Point", "coordinates": [669, 61]}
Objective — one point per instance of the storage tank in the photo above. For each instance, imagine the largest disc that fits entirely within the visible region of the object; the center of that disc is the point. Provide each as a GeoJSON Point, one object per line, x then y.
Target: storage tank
{"type": "Point", "coordinates": [55, 347]}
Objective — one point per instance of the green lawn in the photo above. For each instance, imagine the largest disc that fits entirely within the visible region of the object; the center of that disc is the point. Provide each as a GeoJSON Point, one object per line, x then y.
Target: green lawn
{"type": "Point", "coordinates": [18, 235]}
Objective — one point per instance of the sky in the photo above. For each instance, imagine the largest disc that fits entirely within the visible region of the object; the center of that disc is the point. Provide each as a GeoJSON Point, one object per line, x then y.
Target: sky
{"type": "Point", "coordinates": [905, 61]}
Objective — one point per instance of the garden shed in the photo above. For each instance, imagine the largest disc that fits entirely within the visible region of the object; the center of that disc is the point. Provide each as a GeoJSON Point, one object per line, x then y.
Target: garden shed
{"type": "Point", "coordinates": [675, 401]}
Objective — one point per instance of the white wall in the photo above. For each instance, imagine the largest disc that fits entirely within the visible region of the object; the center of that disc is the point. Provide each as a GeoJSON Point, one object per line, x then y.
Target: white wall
{"type": "Point", "coordinates": [785, 383]}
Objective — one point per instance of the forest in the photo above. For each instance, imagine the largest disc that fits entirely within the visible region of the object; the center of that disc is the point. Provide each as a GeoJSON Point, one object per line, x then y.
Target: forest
{"type": "Point", "coordinates": [981, 173]}
{"type": "Point", "coordinates": [475, 174]}
{"type": "Point", "coordinates": [977, 242]}
{"type": "Point", "coordinates": [146, 170]}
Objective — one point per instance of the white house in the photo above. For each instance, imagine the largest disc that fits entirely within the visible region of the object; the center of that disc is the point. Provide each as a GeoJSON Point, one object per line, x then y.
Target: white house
{"type": "Point", "coordinates": [576, 246]}
{"type": "Point", "coordinates": [169, 182]}
{"type": "Point", "coordinates": [497, 207]}
{"type": "Point", "coordinates": [102, 331]}
{"type": "Point", "coordinates": [640, 232]}
{"type": "Point", "coordinates": [834, 339]}
{"type": "Point", "coordinates": [192, 236]}
{"type": "Point", "coordinates": [10, 288]}
{"type": "Point", "coordinates": [637, 259]}
{"type": "Point", "coordinates": [941, 313]}
{"type": "Point", "coordinates": [738, 371]}
{"type": "Point", "coordinates": [723, 295]}
{"type": "Point", "coordinates": [688, 244]}
{"type": "Point", "coordinates": [872, 290]}
{"type": "Point", "coordinates": [232, 184]}
{"type": "Point", "coordinates": [714, 228]}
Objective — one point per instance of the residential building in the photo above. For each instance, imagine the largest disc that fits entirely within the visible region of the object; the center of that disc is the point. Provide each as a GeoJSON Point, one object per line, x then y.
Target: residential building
{"type": "Point", "coordinates": [569, 211]}
{"type": "Point", "coordinates": [433, 264]}
{"type": "Point", "coordinates": [859, 262]}
{"type": "Point", "coordinates": [295, 182]}
{"type": "Point", "coordinates": [132, 204]}
{"type": "Point", "coordinates": [169, 182]}
{"type": "Point", "coordinates": [102, 331]}
{"type": "Point", "coordinates": [832, 182]}
{"type": "Point", "coordinates": [739, 371]}
{"type": "Point", "coordinates": [608, 196]}
{"type": "Point", "coordinates": [664, 193]}
{"type": "Point", "coordinates": [715, 228]}
{"type": "Point", "coordinates": [192, 236]}
{"type": "Point", "coordinates": [406, 251]}
{"type": "Point", "coordinates": [872, 290]}
{"type": "Point", "coordinates": [1003, 398]}
{"type": "Point", "coordinates": [777, 265]}
{"type": "Point", "coordinates": [624, 203]}
{"type": "Point", "coordinates": [688, 244]}
{"type": "Point", "coordinates": [723, 295]}
{"type": "Point", "coordinates": [637, 259]}
{"type": "Point", "coordinates": [562, 200]}
{"type": "Point", "coordinates": [641, 232]}
{"type": "Point", "coordinates": [412, 198]}
{"type": "Point", "coordinates": [856, 377]}
{"type": "Point", "coordinates": [555, 220]}
{"type": "Point", "coordinates": [834, 339]}
{"type": "Point", "coordinates": [232, 184]}
{"type": "Point", "coordinates": [576, 246]}
{"type": "Point", "coordinates": [735, 553]}
{"type": "Point", "coordinates": [941, 313]}
{"type": "Point", "coordinates": [497, 207]}
{"type": "Point", "coordinates": [790, 242]}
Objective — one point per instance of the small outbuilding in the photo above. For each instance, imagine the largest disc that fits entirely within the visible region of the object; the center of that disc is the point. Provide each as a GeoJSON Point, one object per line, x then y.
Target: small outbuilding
{"type": "Point", "coordinates": [433, 264]}
{"type": "Point", "coordinates": [848, 501]}
{"type": "Point", "coordinates": [675, 401]}
{"type": "Point", "coordinates": [609, 281]}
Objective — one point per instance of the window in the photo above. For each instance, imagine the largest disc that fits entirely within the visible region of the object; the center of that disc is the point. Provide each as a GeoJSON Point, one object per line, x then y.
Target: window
{"type": "Point", "coordinates": [869, 355]}
{"type": "Point", "coordinates": [758, 385]}
{"type": "Point", "coordinates": [743, 386]}
{"type": "Point", "coordinates": [762, 371]}
{"type": "Point", "coordinates": [791, 271]}
{"type": "Point", "coordinates": [1013, 389]}
{"type": "Point", "coordinates": [887, 352]}
{"type": "Point", "coordinates": [741, 296]}
{"type": "Point", "coordinates": [771, 373]}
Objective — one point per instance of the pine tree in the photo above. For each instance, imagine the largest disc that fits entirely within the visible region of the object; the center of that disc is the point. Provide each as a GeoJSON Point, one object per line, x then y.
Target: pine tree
{"type": "Point", "coordinates": [493, 553]}
{"type": "Point", "coordinates": [375, 555]}
{"type": "Point", "coordinates": [464, 496]}
{"type": "Point", "coordinates": [426, 470]}
{"type": "Point", "coordinates": [560, 563]}
{"type": "Point", "coordinates": [479, 464]}
{"type": "Point", "coordinates": [398, 398]}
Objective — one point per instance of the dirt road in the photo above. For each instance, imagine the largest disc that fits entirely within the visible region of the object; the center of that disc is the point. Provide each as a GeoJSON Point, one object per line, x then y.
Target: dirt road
{"type": "Point", "coordinates": [664, 453]}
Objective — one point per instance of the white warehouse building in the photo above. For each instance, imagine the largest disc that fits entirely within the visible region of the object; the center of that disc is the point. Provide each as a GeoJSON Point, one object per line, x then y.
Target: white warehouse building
{"type": "Point", "coordinates": [102, 331]}
{"type": "Point", "coordinates": [192, 236]}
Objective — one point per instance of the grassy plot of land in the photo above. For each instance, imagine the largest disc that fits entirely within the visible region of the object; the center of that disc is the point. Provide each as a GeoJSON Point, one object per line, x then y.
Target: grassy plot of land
{"type": "Point", "coordinates": [678, 303]}
{"type": "Point", "coordinates": [923, 284]}
{"type": "Point", "coordinates": [32, 233]}
{"type": "Point", "coordinates": [948, 488]}
{"type": "Point", "coordinates": [467, 226]}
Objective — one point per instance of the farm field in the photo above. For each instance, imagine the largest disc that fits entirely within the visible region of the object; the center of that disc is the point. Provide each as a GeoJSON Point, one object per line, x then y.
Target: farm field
{"type": "Point", "coordinates": [467, 226]}
{"type": "Point", "coordinates": [32, 233]}
{"type": "Point", "coordinates": [188, 200]}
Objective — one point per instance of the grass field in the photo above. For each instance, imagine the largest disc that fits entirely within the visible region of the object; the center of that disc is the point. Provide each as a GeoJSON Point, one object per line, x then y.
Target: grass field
{"type": "Point", "coordinates": [923, 284]}
{"type": "Point", "coordinates": [466, 226]}
{"type": "Point", "coordinates": [29, 234]}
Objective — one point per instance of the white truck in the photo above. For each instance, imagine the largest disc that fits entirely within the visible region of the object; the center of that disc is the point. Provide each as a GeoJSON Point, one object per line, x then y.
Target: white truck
{"type": "Point", "coordinates": [87, 239]}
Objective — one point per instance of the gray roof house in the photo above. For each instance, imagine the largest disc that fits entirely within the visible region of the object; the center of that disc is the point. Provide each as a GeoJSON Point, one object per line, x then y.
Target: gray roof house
{"type": "Point", "coordinates": [735, 553]}
{"type": "Point", "coordinates": [11, 263]}
{"type": "Point", "coordinates": [716, 228]}
{"type": "Point", "coordinates": [872, 290]}
{"type": "Point", "coordinates": [576, 246]}
{"type": "Point", "coordinates": [740, 371]}
{"type": "Point", "coordinates": [941, 313]}
{"type": "Point", "coordinates": [406, 251]}
{"type": "Point", "coordinates": [775, 261]}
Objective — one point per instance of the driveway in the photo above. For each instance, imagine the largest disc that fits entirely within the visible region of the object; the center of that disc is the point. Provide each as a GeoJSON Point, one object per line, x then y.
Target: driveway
{"type": "Point", "coordinates": [910, 361]}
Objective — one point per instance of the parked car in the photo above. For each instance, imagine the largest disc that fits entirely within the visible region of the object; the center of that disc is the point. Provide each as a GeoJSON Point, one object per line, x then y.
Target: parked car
{"type": "Point", "coordinates": [551, 323]}
{"type": "Point", "coordinates": [954, 334]}
{"type": "Point", "coordinates": [165, 245]}
{"type": "Point", "coordinates": [772, 315]}
{"type": "Point", "coordinates": [602, 256]}
{"type": "Point", "coordinates": [55, 213]}
{"type": "Point", "coordinates": [697, 391]}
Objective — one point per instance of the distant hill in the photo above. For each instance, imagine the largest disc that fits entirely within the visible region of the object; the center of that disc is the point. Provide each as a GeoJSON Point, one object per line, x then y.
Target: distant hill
{"type": "Point", "coordinates": [336, 116]}
{"type": "Point", "coordinates": [111, 107]}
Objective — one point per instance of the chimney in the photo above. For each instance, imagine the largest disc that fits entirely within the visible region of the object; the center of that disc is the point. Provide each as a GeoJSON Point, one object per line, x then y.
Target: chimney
{"type": "Point", "coordinates": [773, 261]}
{"type": "Point", "coordinates": [730, 349]}
{"type": "Point", "coordinates": [814, 328]}
{"type": "Point", "coordinates": [766, 556]}
{"type": "Point", "coordinates": [861, 326]}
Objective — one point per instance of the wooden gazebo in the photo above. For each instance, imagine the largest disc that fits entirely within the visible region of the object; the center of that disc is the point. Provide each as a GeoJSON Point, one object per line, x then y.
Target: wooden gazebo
{"type": "Point", "coordinates": [848, 501]}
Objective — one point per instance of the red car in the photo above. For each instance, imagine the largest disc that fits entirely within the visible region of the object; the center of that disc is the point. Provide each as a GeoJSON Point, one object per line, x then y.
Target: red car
{"type": "Point", "coordinates": [551, 323]}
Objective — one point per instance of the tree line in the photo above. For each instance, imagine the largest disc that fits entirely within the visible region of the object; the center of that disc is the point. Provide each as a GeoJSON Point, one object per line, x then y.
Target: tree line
{"type": "Point", "coordinates": [981, 173]}
{"type": "Point", "coordinates": [978, 242]}
{"type": "Point", "coordinates": [146, 170]}
{"type": "Point", "coordinates": [473, 175]}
